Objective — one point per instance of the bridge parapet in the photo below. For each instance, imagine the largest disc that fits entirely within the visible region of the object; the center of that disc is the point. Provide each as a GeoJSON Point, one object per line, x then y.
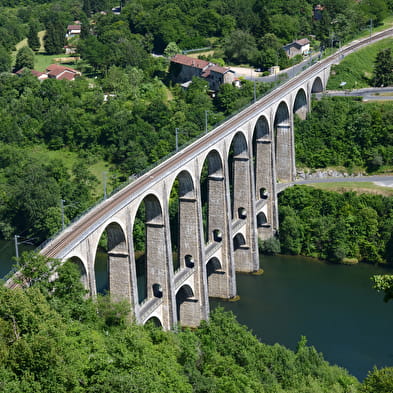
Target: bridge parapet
{"type": "Point", "coordinates": [182, 276]}
{"type": "Point", "coordinates": [148, 308]}
{"type": "Point", "coordinates": [211, 249]}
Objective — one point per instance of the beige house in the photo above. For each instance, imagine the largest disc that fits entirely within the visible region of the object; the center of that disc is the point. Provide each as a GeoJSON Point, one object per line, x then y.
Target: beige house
{"type": "Point", "coordinates": [298, 47]}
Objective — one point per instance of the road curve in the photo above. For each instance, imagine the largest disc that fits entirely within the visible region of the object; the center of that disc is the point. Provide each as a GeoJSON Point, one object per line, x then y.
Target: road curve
{"type": "Point", "coordinates": [80, 228]}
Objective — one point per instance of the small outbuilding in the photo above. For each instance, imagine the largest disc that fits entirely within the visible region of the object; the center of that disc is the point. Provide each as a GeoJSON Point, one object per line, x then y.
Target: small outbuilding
{"type": "Point", "coordinates": [298, 47]}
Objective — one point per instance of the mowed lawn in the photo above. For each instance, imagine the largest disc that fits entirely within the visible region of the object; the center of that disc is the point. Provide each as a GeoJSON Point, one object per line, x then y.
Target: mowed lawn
{"type": "Point", "coordinates": [41, 59]}
{"type": "Point", "coordinates": [97, 167]}
{"type": "Point", "coordinates": [357, 68]}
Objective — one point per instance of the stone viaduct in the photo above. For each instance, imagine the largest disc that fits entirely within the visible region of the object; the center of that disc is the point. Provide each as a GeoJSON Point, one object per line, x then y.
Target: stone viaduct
{"type": "Point", "coordinates": [237, 166]}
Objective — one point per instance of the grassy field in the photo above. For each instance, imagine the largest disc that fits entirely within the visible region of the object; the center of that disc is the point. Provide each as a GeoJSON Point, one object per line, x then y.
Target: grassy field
{"type": "Point", "coordinates": [97, 167]}
{"type": "Point", "coordinates": [358, 187]}
{"type": "Point", "coordinates": [41, 59]}
{"type": "Point", "coordinates": [357, 68]}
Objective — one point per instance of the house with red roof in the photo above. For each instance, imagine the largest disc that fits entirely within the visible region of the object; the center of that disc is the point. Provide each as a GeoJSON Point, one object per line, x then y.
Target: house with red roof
{"type": "Point", "coordinates": [61, 72]}
{"type": "Point", "coordinates": [39, 75]}
{"type": "Point", "coordinates": [183, 68]}
{"type": "Point", "coordinates": [73, 31]}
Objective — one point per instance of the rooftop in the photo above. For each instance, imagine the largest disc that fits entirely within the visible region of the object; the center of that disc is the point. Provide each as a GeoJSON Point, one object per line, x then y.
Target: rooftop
{"type": "Point", "coordinates": [190, 61]}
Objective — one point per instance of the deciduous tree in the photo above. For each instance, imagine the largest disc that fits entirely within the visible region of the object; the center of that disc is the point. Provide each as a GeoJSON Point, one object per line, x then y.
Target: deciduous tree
{"type": "Point", "coordinates": [383, 71]}
{"type": "Point", "coordinates": [24, 58]}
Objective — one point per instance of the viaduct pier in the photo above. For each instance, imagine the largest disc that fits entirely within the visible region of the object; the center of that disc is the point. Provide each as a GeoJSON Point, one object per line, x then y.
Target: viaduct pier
{"type": "Point", "coordinates": [245, 159]}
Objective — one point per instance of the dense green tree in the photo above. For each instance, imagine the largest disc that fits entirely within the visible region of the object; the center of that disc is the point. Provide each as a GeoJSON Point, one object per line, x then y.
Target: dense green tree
{"type": "Point", "coordinates": [171, 50]}
{"type": "Point", "coordinates": [32, 36]}
{"type": "Point", "coordinates": [54, 39]}
{"type": "Point", "coordinates": [378, 381]}
{"type": "Point", "coordinates": [383, 71]}
{"type": "Point", "coordinates": [343, 131]}
{"type": "Point", "coordinates": [335, 226]}
{"type": "Point", "coordinates": [240, 47]}
{"type": "Point", "coordinates": [5, 60]}
{"type": "Point", "coordinates": [384, 283]}
{"type": "Point", "coordinates": [24, 58]}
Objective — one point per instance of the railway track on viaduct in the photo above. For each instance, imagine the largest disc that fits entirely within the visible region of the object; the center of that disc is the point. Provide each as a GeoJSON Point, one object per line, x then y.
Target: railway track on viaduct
{"type": "Point", "coordinates": [100, 211]}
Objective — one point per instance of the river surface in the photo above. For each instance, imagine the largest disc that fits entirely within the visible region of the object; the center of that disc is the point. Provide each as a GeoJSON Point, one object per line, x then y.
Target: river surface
{"type": "Point", "coordinates": [334, 306]}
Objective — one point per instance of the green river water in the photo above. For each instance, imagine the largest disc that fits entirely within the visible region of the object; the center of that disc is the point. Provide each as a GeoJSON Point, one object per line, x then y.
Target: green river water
{"type": "Point", "coordinates": [334, 306]}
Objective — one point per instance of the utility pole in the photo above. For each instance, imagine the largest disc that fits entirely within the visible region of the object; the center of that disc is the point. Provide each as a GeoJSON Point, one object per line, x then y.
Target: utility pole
{"type": "Point", "coordinates": [206, 122]}
{"type": "Point", "coordinates": [104, 181]}
{"type": "Point", "coordinates": [62, 213]}
{"type": "Point", "coordinates": [177, 139]}
{"type": "Point", "coordinates": [371, 27]}
{"type": "Point", "coordinates": [16, 246]}
{"type": "Point", "coordinates": [255, 91]}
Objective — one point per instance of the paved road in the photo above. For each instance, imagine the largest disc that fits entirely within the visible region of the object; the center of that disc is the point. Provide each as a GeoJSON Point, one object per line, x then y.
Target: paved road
{"type": "Point", "coordinates": [368, 94]}
{"type": "Point", "coordinates": [386, 181]}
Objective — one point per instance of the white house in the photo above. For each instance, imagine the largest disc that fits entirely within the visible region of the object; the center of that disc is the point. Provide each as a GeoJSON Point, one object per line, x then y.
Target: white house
{"type": "Point", "coordinates": [298, 47]}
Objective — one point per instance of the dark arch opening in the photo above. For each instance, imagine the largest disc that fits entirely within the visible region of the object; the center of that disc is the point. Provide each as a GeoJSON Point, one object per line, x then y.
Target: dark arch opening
{"type": "Point", "coordinates": [261, 151]}
{"type": "Point", "coordinates": [237, 164]}
{"type": "Point", "coordinates": [317, 86]}
{"type": "Point", "coordinates": [81, 268]}
{"type": "Point", "coordinates": [283, 142]}
{"type": "Point", "coordinates": [300, 104]}
{"type": "Point", "coordinates": [262, 220]}
{"type": "Point", "coordinates": [148, 240]}
{"type": "Point", "coordinates": [212, 266]}
{"type": "Point", "coordinates": [157, 290]}
{"type": "Point", "coordinates": [217, 235]}
{"type": "Point", "coordinates": [242, 213]}
{"type": "Point", "coordinates": [154, 321]}
{"type": "Point", "coordinates": [282, 114]}
{"type": "Point", "coordinates": [112, 241]}
{"type": "Point", "coordinates": [212, 193]}
{"type": "Point", "coordinates": [238, 241]}
{"type": "Point", "coordinates": [183, 296]}
{"type": "Point", "coordinates": [263, 193]}
{"type": "Point", "coordinates": [180, 208]}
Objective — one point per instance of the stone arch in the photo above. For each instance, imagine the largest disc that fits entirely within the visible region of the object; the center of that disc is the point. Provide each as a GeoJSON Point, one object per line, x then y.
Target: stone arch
{"type": "Point", "coordinates": [239, 175]}
{"type": "Point", "coordinates": [186, 185]}
{"type": "Point", "coordinates": [262, 154]}
{"type": "Point", "coordinates": [317, 86]}
{"type": "Point", "coordinates": [215, 278]}
{"type": "Point", "coordinates": [240, 185]}
{"type": "Point", "coordinates": [240, 253]}
{"type": "Point", "coordinates": [215, 163]}
{"type": "Point", "coordinates": [187, 307]}
{"type": "Point", "coordinates": [213, 197]}
{"type": "Point", "coordinates": [112, 271]}
{"type": "Point", "coordinates": [155, 321]}
{"type": "Point", "coordinates": [300, 105]}
{"type": "Point", "coordinates": [82, 270]}
{"type": "Point", "coordinates": [183, 220]}
{"type": "Point", "coordinates": [283, 142]}
{"type": "Point", "coordinates": [238, 242]}
{"type": "Point", "coordinates": [150, 257]}
{"type": "Point", "coordinates": [239, 145]}
{"type": "Point", "coordinates": [261, 220]}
